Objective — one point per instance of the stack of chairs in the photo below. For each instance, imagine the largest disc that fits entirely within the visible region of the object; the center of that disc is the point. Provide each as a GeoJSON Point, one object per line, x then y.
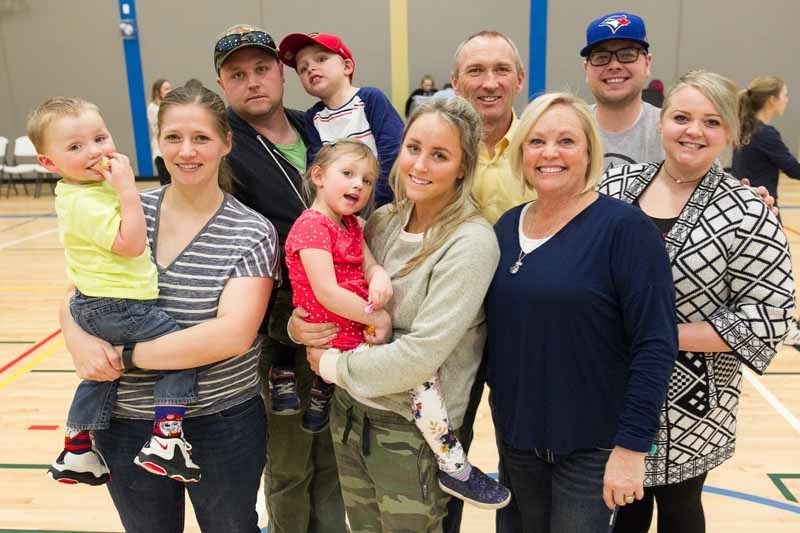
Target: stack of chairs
{"type": "Point", "coordinates": [25, 169]}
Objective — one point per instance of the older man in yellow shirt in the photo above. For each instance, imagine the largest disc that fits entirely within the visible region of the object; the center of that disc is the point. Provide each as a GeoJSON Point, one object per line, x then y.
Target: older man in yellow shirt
{"type": "Point", "coordinates": [488, 72]}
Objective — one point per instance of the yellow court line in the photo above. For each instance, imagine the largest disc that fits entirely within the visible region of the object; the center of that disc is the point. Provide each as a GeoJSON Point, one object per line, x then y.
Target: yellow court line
{"type": "Point", "coordinates": [398, 31]}
{"type": "Point", "coordinates": [33, 288]}
{"type": "Point", "coordinates": [24, 369]}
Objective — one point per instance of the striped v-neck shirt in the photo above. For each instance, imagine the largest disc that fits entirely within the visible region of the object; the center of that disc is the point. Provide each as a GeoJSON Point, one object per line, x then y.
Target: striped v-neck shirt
{"type": "Point", "coordinates": [235, 242]}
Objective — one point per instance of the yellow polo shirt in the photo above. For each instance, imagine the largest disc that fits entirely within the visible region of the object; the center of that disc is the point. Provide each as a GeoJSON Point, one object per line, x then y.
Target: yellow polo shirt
{"type": "Point", "coordinates": [496, 188]}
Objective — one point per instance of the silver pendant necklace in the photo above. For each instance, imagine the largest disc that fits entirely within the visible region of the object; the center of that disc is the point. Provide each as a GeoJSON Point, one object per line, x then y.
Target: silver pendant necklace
{"type": "Point", "coordinates": [518, 263]}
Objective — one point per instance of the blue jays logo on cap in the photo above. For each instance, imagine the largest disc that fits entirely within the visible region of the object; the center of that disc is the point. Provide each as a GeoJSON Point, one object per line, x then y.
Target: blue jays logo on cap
{"type": "Point", "coordinates": [615, 26]}
{"type": "Point", "coordinates": [615, 22]}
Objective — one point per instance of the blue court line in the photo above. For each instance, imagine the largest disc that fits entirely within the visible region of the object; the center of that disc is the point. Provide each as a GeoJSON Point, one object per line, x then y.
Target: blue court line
{"type": "Point", "coordinates": [753, 499]}
{"type": "Point", "coordinates": [739, 496]}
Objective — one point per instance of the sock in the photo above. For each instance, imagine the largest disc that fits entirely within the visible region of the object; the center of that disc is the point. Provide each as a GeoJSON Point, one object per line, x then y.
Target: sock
{"type": "Point", "coordinates": [77, 441]}
{"type": "Point", "coordinates": [169, 420]}
{"type": "Point", "coordinates": [463, 472]}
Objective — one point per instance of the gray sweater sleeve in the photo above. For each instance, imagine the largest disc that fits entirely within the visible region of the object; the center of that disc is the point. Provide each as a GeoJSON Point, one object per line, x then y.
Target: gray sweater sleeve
{"type": "Point", "coordinates": [459, 274]}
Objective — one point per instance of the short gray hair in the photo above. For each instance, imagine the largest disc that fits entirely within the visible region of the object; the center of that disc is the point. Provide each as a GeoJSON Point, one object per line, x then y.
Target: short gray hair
{"type": "Point", "coordinates": [490, 34]}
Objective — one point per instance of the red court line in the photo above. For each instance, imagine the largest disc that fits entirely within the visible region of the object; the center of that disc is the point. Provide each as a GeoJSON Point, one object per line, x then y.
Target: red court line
{"type": "Point", "coordinates": [43, 428]}
{"type": "Point", "coordinates": [29, 351]}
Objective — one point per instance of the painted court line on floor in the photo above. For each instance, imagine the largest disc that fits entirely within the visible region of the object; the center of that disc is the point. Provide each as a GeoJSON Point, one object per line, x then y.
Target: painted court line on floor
{"type": "Point", "coordinates": [29, 351]}
{"type": "Point", "coordinates": [5, 245]}
{"type": "Point", "coordinates": [772, 400]}
{"type": "Point", "coordinates": [28, 366]}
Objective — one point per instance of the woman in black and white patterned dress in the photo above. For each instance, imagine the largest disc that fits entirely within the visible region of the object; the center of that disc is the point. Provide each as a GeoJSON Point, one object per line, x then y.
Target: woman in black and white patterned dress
{"type": "Point", "coordinates": [734, 293]}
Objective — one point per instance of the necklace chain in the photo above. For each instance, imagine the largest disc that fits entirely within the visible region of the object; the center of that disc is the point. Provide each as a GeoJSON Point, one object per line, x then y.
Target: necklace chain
{"type": "Point", "coordinates": [560, 222]}
{"type": "Point", "coordinates": [679, 180]}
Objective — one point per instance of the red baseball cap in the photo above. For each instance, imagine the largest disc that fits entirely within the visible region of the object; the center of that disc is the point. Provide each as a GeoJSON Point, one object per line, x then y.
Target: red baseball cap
{"type": "Point", "coordinates": [291, 44]}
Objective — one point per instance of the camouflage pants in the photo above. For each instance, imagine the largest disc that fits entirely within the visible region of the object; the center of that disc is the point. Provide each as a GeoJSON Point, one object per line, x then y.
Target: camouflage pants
{"type": "Point", "coordinates": [301, 483]}
{"type": "Point", "coordinates": [387, 471]}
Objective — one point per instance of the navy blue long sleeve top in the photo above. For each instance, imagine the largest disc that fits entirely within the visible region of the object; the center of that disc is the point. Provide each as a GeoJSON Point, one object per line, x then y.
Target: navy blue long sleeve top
{"type": "Point", "coordinates": [764, 158]}
{"type": "Point", "coordinates": [582, 340]}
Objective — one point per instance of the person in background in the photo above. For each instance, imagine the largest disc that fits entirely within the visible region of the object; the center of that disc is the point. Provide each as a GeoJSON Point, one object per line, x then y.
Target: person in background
{"type": "Point", "coordinates": [426, 89]}
{"type": "Point", "coordinates": [763, 154]}
{"type": "Point", "coordinates": [161, 88]}
{"type": "Point", "coordinates": [446, 91]}
{"type": "Point", "coordinates": [732, 277]}
{"type": "Point", "coordinates": [193, 83]}
{"type": "Point", "coordinates": [653, 94]}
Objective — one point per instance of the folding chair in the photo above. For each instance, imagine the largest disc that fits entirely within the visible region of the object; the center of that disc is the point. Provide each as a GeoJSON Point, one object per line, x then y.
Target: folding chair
{"type": "Point", "coordinates": [25, 169]}
{"type": "Point", "coordinates": [3, 148]}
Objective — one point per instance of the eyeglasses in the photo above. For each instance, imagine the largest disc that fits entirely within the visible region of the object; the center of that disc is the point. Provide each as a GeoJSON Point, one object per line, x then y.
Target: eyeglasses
{"type": "Point", "coordinates": [599, 58]}
{"type": "Point", "coordinates": [228, 42]}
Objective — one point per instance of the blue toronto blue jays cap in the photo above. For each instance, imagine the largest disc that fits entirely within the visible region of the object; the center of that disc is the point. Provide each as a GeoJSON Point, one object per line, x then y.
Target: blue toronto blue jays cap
{"type": "Point", "coordinates": [625, 26]}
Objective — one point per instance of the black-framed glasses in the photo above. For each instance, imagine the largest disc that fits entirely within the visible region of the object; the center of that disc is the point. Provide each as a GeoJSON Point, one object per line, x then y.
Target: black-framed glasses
{"type": "Point", "coordinates": [599, 58]}
{"type": "Point", "coordinates": [228, 42]}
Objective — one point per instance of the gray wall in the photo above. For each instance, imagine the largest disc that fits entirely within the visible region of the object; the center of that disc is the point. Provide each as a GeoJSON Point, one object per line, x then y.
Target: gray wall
{"type": "Point", "coordinates": [50, 47]}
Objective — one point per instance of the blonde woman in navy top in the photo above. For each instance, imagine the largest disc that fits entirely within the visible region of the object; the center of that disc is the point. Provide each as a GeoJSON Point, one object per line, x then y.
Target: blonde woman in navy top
{"type": "Point", "coordinates": [581, 331]}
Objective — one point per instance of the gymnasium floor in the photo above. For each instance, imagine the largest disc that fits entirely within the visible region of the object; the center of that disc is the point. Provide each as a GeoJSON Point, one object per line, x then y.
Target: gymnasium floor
{"type": "Point", "coordinates": [756, 491]}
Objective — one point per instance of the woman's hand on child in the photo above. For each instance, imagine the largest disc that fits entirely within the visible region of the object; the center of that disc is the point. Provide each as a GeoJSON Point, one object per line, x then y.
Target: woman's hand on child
{"type": "Point", "coordinates": [380, 289]}
{"type": "Point", "coordinates": [314, 355]}
{"type": "Point", "coordinates": [310, 333]}
{"type": "Point", "coordinates": [119, 174]}
{"type": "Point", "coordinates": [95, 359]}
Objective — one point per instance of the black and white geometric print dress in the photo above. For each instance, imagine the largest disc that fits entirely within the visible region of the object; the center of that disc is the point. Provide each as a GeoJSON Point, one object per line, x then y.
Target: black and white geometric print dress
{"type": "Point", "coordinates": [731, 266]}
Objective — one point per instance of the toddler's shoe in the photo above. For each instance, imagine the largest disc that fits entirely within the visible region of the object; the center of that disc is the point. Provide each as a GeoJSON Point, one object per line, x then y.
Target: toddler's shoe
{"type": "Point", "coordinates": [169, 456]}
{"type": "Point", "coordinates": [479, 489]}
{"type": "Point", "coordinates": [284, 399]}
{"type": "Point", "coordinates": [317, 414]}
{"type": "Point", "coordinates": [87, 468]}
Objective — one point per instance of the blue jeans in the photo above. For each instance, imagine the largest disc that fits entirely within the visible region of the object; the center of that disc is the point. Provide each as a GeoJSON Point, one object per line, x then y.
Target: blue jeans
{"type": "Point", "coordinates": [118, 321]}
{"type": "Point", "coordinates": [230, 448]}
{"type": "Point", "coordinates": [555, 493]}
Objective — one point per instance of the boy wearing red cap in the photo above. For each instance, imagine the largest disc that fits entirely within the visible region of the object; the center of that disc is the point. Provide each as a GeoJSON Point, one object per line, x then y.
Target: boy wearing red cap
{"type": "Point", "coordinates": [325, 66]}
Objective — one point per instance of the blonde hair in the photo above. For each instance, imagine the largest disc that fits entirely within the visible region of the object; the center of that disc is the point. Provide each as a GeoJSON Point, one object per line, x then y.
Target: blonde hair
{"type": "Point", "coordinates": [466, 122]}
{"type": "Point", "coordinates": [51, 109]}
{"type": "Point", "coordinates": [213, 104]}
{"type": "Point", "coordinates": [491, 34]}
{"type": "Point", "coordinates": [330, 152]}
{"type": "Point", "coordinates": [538, 107]}
{"type": "Point", "coordinates": [720, 91]}
{"type": "Point", "coordinates": [753, 99]}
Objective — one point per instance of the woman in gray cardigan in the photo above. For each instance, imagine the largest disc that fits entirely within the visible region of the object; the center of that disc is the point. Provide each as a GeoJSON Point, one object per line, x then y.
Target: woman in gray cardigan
{"type": "Point", "coordinates": [441, 256]}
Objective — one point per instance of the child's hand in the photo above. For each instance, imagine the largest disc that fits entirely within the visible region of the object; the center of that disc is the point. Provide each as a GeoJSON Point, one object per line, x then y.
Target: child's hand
{"type": "Point", "coordinates": [381, 330]}
{"type": "Point", "coordinates": [119, 174]}
{"type": "Point", "coordinates": [380, 289]}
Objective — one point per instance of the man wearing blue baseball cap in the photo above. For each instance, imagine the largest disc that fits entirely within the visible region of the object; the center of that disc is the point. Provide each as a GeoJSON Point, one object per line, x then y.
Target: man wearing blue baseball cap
{"type": "Point", "coordinates": [617, 63]}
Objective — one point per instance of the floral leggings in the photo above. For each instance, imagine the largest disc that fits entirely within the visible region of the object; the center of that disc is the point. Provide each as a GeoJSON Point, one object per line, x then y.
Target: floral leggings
{"type": "Point", "coordinates": [430, 416]}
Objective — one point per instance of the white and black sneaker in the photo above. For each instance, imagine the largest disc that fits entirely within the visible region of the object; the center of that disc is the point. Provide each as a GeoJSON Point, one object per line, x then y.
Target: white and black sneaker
{"type": "Point", "coordinates": [87, 468]}
{"type": "Point", "coordinates": [169, 456]}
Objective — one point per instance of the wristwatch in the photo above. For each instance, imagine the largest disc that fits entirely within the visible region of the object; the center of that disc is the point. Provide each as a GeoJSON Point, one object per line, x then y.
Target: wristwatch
{"type": "Point", "coordinates": [127, 355]}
